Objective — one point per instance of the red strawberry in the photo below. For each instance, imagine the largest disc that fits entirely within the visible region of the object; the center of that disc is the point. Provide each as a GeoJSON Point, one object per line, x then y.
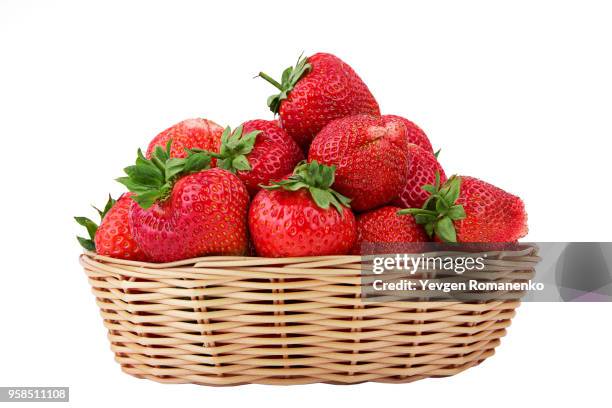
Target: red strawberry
{"type": "Point", "coordinates": [371, 158]}
{"type": "Point", "coordinates": [415, 134]}
{"type": "Point", "coordinates": [264, 153]}
{"type": "Point", "coordinates": [114, 235]}
{"type": "Point", "coordinates": [422, 169]}
{"type": "Point", "coordinates": [319, 89]}
{"type": "Point", "coordinates": [293, 217]}
{"type": "Point", "coordinates": [384, 225]}
{"type": "Point", "coordinates": [189, 134]}
{"type": "Point", "coordinates": [184, 210]}
{"type": "Point", "coordinates": [466, 209]}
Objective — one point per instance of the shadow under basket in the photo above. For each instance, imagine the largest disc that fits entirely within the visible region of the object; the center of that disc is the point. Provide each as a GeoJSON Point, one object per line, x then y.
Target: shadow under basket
{"type": "Point", "coordinates": [240, 320]}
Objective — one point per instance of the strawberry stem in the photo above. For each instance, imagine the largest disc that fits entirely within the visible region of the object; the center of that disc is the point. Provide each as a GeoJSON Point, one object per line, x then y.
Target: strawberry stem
{"type": "Point", "coordinates": [158, 162]}
{"type": "Point", "coordinates": [440, 209]}
{"type": "Point", "coordinates": [290, 78]}
{"type": "Point", "coordinates": [271, 80]}
{"type": "Point", "coordinates": [318, 179]}
{"type": "Point", "coordinates": [234, 149]}
{"type": "Point", "coordinates": [415, 211]}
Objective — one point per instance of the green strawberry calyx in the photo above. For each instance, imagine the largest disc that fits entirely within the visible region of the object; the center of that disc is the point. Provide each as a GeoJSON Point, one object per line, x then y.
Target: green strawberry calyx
{"type": "Point", "coordinates": [89, 243]}
{"type": "Point", "coordinates": [151, 180]}
{"type": "Point", "coordinates": [318, 179]}
{"type": "Point", "coordinates": [234, 149]}
{"type": "Point", "coordinates": [290, 77]}
{"type": "Point", "coordinates": [440, 210]}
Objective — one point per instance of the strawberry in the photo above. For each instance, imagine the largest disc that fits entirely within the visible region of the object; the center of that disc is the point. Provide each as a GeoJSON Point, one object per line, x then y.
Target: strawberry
{"type": "Point", "coordinates": [384, 225]}
{"type": "Point", "coordinates": [422, 169]}
{"type": "Point", "coordinates": [264, 153]}
{"type": "Point", "coordinates": [416, 135]}
{"type": "Point", "coordinates": [466, 209]}
{"type": "Point", "coordinates": [114, 236]}
{"type": "Point", "coordinates": [293, 217]}
{"type": "Point", "coordinates": [371, 158]}
{"type": "Point", "coordinates": [183, 209]}
{"type": "Point", "coordinates": [189, 134]}
{"type": "Point", "coordinates": [316, 91]}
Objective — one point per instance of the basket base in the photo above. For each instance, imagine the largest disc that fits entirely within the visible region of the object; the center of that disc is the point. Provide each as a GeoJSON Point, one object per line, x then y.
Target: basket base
{"type": "Point", "coordinates": [288, 379]}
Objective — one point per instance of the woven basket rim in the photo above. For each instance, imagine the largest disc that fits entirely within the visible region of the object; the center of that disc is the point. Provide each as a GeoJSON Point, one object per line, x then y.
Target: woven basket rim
{"type": "Point", "coordinates": [527, 250]}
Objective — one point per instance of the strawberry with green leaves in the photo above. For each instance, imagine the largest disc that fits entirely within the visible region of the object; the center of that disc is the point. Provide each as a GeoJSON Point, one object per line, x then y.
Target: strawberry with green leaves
{"type": "Point", "coordinates": [319, 89]}
{"type": "Point", "coordinates": [302, 216]}
{"type": "Point", "coordinates": [469, 210]}
{"type": "Point", "coordinates": [183, 209]}
{"type": "Point", "coordinates": [114, 236]}
{"type": "Point", "coordinates": [258, 152]}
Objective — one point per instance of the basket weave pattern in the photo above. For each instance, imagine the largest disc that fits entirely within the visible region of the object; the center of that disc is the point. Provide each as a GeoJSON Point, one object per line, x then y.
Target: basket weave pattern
{"type": "Point", "coordinates": [238, 320]}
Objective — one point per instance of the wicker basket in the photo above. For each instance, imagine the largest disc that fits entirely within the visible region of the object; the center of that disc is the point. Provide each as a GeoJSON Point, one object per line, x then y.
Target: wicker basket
{"type": "Point", "coordinates": [239, 320]}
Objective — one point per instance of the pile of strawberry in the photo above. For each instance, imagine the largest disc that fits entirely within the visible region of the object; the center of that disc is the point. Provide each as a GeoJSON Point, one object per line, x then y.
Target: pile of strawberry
{"type": "Point", "coordinates": [329, 175]}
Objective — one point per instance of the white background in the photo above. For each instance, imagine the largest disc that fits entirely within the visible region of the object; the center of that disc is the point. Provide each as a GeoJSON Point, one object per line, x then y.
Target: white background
{"type": "Point", "coordinates": [518, 94]}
